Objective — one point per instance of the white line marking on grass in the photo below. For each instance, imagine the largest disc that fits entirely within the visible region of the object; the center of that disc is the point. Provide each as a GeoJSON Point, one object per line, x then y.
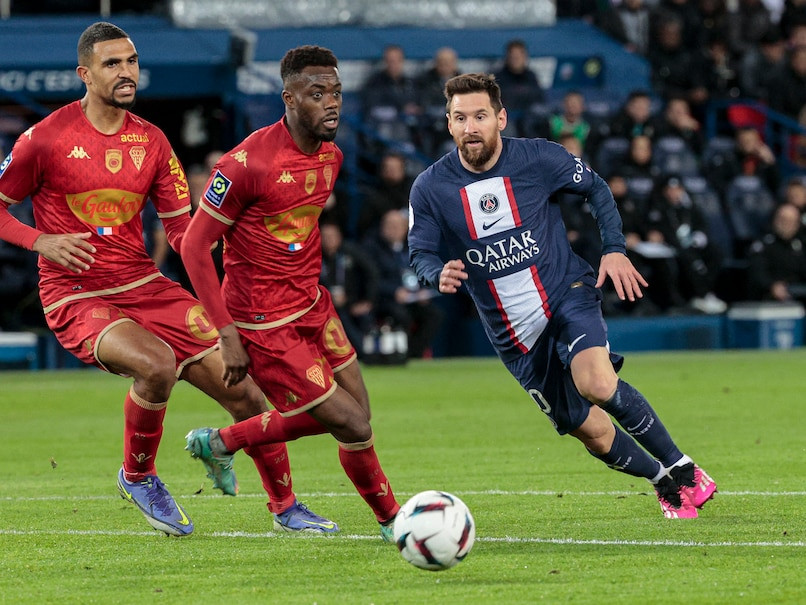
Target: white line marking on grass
{"type": "Point", "coordinates": [374, 537]}
{"type": "Point", "coordinates": [492, 492]}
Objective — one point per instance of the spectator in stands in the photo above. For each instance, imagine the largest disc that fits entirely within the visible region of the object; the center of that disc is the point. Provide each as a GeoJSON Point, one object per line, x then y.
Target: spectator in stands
{"type": "Point", "coordinates": [788, 85]}
{"type": "Point", "coordinates": [430, 85]}
{"type": "Point", "coordinates": [638, 163]}
{"type": "Point", "coordinates": [676, 70]}
{"type": "Point", "coordinates": [750, 156]}
{"type": "Point", "coordinates": [635, 116]}
{"type": "Point", "coordinates": [389, 94]}
{"type": "Point", "coordinates": [520, 88]}
{"type": "Point", "coordinates": [721, 69]}
{"type": "Point", "coordinates": [750, 23]}
{"type": "Point", "coordinates": [794, 15]}
{"type": "Point", "coordinates": [351, 277]}
{"type": "Point", "coordinates": [777, 262]}
{"type": "Point", "coordinates": [391, 192]}
{"type": "Point", "coordinates": [628, 23]}
{"type": "Point", "coordinates": [760, 63]}
{"type": "Point", "coordinates": [401, 299]}
{"type": "Point", "coordinates": [673, 219]}
{"type": "Point", "coordinates": [677, 120]}
{"type": "Point", "coordinates": [687, 14]}
{"type": "Point", "coordinates": [571, 120]}
{"type": "Point", "coordinates": [794, 193]}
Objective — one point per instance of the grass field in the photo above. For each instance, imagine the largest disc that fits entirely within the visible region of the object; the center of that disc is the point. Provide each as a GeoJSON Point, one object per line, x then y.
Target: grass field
{"type": "Point", "coordinates": [553, 524]}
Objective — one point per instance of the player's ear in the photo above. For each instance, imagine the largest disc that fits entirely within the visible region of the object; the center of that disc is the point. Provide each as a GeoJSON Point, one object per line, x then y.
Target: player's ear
{"type": "Point", "coordinates": [288, 98]}
{"type": "Point", "coordinates": [502, 119]}
{"type": "Point", "coordinates": [83, 73]}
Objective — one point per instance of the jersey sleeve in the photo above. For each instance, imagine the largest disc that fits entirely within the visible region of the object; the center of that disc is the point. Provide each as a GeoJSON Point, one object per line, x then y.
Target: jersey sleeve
{"type": "Point", "coordinates": [170, 195]}
{"type": "Point", "coordinates": [21, 171]}
{"type": "Point", "coordinates": [424, 235]}
{"type": "Point", "coordinates": [565, 172]}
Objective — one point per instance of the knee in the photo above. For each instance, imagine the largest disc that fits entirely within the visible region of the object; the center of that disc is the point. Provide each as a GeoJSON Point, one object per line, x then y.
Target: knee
{"type": "Point", "coordinates": [598, 387]}
{"type": "Point", "coordinates": [157, 375]}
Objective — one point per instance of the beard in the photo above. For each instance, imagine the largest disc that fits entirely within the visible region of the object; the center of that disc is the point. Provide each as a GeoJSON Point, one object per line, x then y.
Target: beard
{"type": "Point", "coordinates": [477, 158]}
{"type": "Point", "coordinates": [122, 104]}
{"type": "Point", "coordinates": [317, 131]}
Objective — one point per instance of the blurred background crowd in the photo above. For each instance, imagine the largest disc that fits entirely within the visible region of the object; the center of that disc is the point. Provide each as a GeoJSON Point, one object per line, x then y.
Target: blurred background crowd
{"type": "Point", "coordinates": [707, 165]}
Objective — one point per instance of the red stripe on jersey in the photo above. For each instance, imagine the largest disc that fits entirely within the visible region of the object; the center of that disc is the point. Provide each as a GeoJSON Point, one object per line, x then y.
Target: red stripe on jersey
{"type": "Point", "coordinates": [511, 199]}
{"type": "Point", "coordinates": [468, 214]}
{"type": "Point", "coordinates": [504, 316]}
{"type": "Point", "coordinates": [542, 291]}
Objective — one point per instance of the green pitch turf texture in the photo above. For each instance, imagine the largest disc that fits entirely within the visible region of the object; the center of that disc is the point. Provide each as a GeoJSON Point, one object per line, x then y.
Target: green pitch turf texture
{"type": "Point", "coordinates": [553, 524]}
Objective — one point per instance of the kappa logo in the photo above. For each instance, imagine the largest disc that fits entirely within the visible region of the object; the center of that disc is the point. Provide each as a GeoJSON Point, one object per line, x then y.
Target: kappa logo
{"type": "Point", "coordinates": [78, 153]}
{"type": "Point", "coordinates": [240, 156]}
{"type": "Point", "coordinates": [286, 177]}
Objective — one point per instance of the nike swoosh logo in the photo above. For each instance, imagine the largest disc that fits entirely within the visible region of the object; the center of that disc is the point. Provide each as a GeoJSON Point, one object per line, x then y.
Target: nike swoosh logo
{"type": "Point", "coordinates": [184, 520]}
{"type": "Point", "coordinates": [486, 226]}
{"type": "Point", "coordinates": [575, 341]}
{"type": "Point", "coordinates": [329, 525]}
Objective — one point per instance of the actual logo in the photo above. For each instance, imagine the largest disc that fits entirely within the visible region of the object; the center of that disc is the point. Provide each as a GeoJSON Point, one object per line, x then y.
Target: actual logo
{"type": "Point", "coordinates": [488, 203]}
{"type": "Point", "coordinates": [217, 189]}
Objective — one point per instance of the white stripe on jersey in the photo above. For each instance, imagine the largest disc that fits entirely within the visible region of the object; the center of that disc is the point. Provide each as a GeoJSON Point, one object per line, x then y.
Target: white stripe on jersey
{"type": "Point", "coordinates": [490, 207]}
{"type": "Point", "coordinates": [520, 301]}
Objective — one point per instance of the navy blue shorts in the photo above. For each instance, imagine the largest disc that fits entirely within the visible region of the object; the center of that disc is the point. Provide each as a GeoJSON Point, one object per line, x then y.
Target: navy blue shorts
{"type": "Point", "coordinates": [545, 371]}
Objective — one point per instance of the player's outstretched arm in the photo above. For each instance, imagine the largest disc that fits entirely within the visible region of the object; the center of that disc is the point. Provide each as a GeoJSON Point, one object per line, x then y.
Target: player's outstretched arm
{"type": "Point", "coordinates": [625, 277]}
{"type": "Point", "coordinates": [70, 250]}
{"type": "Point", "coordinates": [452, 275]}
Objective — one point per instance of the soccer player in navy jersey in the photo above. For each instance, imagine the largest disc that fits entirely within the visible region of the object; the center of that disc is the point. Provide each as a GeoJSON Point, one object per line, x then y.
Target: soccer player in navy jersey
{"type": "Point", "coordinates": [90, 167]}
{"type": "Point", "coordinates": [489, 204]}
{"type": "Point", "coordinates": [277, 322]}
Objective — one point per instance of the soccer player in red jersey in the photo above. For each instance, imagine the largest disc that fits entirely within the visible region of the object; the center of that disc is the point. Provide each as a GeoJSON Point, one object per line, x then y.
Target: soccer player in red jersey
{"type": "Point", "coordinates": [89, 168]}
{"type": "Point", "coordinates": [264, 197]}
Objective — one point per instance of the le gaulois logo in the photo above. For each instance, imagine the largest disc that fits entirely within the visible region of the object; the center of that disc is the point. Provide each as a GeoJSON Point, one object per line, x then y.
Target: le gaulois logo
{"type": "Point", "coordinates": [105, 207]}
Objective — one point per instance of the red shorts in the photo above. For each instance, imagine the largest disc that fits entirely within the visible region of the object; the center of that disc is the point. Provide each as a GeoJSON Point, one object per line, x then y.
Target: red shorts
{"type": "Point", "coordinates": [161, 306]}
{"type": "Point", "coordinates": [294, 363]}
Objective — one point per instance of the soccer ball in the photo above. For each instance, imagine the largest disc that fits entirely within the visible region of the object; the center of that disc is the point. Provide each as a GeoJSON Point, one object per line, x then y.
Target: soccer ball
{"type": "Point", "coordinates": [434, 530]}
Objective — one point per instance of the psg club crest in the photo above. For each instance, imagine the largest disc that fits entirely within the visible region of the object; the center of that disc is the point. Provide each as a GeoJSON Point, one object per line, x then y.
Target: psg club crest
{"type": "Point", "coordinates": [488, 203]}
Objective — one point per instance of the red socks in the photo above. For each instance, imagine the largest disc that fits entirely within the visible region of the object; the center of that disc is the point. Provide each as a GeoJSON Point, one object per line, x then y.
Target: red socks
{"type": "Point", "coordinates": [141, 435]}
{"type": "Point", "coordinates": [269, 427]}
{"type": "Point", "coordinates": [361, 464]}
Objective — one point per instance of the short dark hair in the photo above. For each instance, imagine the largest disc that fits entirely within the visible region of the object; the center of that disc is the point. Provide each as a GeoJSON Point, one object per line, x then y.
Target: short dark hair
{"type": "Point", "coordinates": [97, 32]}
{"type": "Point", "coordinates": [297, 59]}
{"type": "Point", "coordinates": [469, 83]}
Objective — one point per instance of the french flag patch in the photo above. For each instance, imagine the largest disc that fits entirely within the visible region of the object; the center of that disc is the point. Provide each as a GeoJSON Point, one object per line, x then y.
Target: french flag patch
{"type": "Point", "coordinates": [107, 230]}
{"type": "Point", "coordinates": [295, 247]}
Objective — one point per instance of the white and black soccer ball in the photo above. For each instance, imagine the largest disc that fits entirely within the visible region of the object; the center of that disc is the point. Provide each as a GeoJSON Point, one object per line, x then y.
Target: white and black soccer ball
{"type": "Point", "coordinates": [434, 530]}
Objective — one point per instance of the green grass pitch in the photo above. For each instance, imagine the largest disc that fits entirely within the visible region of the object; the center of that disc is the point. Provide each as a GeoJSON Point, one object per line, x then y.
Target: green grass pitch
{"type": "Point", "coordinates": [553, 524]}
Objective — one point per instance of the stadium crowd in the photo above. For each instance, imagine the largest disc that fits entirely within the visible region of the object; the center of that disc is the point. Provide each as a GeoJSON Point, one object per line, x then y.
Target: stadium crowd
{"type": "Point", "coordinates": [711, 215]}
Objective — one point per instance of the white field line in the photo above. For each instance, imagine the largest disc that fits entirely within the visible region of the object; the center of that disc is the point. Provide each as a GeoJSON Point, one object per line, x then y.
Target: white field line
{"type": "Point", "coordinates": [375, 537]}
{"type": "Point", "coordinates": [352, 494]}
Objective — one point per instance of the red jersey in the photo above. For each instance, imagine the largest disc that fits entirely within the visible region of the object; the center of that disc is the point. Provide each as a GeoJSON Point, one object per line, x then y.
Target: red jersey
{"type": "Point", "coordinates": [82, 180]}
{"type": "Point", "coordinates": [270, 195]}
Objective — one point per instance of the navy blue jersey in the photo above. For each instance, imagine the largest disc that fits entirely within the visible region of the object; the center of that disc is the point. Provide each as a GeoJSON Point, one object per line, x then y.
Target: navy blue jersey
{"type": "Point", "coordinates": [506, 227]}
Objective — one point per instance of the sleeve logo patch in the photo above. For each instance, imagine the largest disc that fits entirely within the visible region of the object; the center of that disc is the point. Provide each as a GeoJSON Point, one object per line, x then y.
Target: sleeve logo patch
{"type": "Point", "coordinates": [5, 164]}
{"type": "Point", "coordinates": [217, 190]}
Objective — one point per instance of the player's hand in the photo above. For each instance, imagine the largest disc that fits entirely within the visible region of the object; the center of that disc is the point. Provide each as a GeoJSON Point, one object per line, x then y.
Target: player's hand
{"type": "Point", "coordinates": [70, 250]}
{"type": "Point", "coordinates": [625, 277]}
{"type": "Point", "coordinates": [451, 277]}
{"type": "Point", "coordinates": [236, 359]}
